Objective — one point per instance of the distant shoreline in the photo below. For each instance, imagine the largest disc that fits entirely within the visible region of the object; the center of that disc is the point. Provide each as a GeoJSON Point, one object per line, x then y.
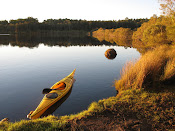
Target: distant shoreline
{"type": "Point", "coordinates": [4, 34]}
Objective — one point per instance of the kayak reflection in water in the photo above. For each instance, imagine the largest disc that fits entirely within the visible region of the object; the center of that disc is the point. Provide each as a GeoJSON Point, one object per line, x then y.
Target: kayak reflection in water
{"type": "Point", "coordinates": [54, 107]}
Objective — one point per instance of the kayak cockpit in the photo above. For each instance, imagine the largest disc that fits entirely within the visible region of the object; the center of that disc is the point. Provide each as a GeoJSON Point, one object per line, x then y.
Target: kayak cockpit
{"type": "Point", "coordinates": [52, 95]}
{"type": "Point", "coordinates": [59, 86]}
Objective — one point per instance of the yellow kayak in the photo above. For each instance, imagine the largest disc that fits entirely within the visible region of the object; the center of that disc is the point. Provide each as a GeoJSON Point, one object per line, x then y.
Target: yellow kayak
{"type": "Point", "coordinates": [59, 90]}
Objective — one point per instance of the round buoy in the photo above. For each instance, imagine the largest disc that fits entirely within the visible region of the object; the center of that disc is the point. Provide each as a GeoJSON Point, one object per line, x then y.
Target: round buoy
{"type": "Point", "coordinates": [110, 53]}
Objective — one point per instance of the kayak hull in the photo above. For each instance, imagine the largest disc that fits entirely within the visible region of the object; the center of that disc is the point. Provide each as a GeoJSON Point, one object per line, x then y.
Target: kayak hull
{"type": "Point", "coordinates": [48, 102]}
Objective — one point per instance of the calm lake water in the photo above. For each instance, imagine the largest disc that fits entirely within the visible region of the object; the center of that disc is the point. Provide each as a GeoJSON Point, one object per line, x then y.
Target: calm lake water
{"type": "Point", "coordinates": [25, 72]}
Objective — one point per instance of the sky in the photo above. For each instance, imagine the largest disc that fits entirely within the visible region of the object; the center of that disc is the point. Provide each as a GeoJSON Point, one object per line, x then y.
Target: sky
{"type": "Point", "coordinates": [78, 9]}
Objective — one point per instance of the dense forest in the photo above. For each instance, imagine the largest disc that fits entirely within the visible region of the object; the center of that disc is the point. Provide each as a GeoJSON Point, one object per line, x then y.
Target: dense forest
{"type": "Point", "coordinates": [31, 24]}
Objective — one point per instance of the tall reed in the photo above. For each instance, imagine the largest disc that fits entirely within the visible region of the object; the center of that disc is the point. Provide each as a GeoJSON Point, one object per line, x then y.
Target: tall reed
{"type": "Point", "coordinates": [153, 68]}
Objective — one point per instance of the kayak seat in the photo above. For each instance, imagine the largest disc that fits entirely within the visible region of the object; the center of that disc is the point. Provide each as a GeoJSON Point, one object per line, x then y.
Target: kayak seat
{"type": "Point", "coordinates": [52, 95]}
{"type": "Point", "coordinates": [60, 86]}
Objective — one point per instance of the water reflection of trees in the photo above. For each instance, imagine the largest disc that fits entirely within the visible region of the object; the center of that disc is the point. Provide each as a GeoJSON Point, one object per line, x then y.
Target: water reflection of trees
{"type": "Point", "coordinates": [34, 40]}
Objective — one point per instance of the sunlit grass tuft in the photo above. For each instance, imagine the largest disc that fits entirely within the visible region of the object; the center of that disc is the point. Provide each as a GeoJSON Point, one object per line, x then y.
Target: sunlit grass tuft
{"type": "Point", "coordinates": [150, 70]}
{"type": "Point", "coordinates": [169, 71]}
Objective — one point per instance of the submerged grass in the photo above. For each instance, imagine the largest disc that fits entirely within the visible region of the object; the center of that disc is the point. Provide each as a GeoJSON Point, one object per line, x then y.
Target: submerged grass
{"type": "Point", "coordinates": [143, 95]}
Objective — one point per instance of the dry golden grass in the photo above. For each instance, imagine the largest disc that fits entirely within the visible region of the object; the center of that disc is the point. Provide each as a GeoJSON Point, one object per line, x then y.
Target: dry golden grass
{"type": "Point", "coordinates": [169, 71]}
{"type": "Point", "coordinates": [151, 69]}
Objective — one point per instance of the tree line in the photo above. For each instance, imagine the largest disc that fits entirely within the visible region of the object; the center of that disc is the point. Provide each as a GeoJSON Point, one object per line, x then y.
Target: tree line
{"type": "Point", "coordinates": [31, 24]}
{"type": "Point", "coordinates": [155, 32]}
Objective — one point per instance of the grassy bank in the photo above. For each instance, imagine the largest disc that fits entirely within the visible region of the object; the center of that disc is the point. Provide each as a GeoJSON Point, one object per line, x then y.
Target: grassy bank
{"type": "Point", "coordinates": [153, 75]}
{"type": "Point", "coordinates": [146, 100]}
{"type": "Point", "coordinates": [154, 68]}
{"type": "Point", "coordinates": [151, 108]}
